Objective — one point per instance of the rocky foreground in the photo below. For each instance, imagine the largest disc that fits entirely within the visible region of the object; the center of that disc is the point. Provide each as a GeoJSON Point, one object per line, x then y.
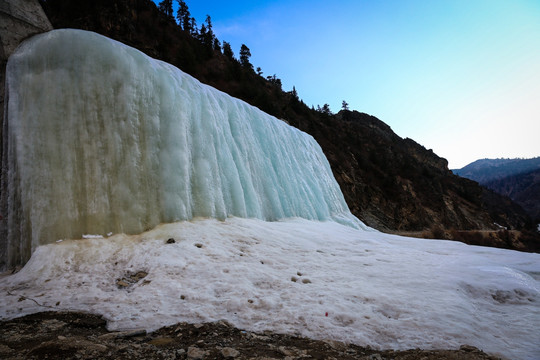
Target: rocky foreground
{"type": "Point", "coordinates": [64, 335]}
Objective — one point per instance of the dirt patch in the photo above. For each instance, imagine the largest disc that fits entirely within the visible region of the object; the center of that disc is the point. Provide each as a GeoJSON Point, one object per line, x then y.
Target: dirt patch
{"type": "Point", "coordinates": [64, 335]}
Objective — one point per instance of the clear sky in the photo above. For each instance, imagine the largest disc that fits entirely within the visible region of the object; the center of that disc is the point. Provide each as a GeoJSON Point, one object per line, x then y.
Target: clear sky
{"type": "Point", "coordinates": [461, 77]}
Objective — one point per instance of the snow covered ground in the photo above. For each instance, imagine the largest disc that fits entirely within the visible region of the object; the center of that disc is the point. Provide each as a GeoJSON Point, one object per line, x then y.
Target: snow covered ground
{"type": "Point", "coordinates": [317, 279]}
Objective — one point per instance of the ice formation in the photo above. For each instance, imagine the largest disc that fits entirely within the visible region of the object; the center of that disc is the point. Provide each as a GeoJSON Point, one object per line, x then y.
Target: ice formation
{"type": "Point", "coordinates": [101, 138]}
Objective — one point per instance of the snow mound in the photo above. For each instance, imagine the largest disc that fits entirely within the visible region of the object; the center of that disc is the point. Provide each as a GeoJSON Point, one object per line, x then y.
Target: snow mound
{"type": "Point", "coordinates": [377, 289]}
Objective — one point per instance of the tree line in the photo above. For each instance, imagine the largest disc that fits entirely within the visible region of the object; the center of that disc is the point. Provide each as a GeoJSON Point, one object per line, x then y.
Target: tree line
{"type": "Point", "coordinates": [205, 33]}
{"type": "Point", "coordinates": [206, 36]}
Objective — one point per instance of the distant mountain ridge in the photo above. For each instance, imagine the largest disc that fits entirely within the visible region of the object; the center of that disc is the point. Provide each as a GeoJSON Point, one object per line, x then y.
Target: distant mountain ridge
{"type": "Point", "coordinates": [519, 179]}
{"type": "Point", "coordinates": [524, 189]}
{"type": "Point", "coordinates": [486, 170]}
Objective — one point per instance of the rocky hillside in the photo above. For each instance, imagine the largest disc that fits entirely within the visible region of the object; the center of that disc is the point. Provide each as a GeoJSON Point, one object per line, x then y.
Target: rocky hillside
{"type": "Point", "coordinates": [390, 183]}
{"type": "Point", "coordinates": [397, 184]}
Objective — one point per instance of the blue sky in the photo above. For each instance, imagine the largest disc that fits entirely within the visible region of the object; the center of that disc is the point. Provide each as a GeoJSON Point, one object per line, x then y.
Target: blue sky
{"type": "Point", "coordinates": [461, 77]}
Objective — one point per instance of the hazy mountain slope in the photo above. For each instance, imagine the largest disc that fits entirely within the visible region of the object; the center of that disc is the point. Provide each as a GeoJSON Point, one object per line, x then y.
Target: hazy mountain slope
{"type": "Point", "coordinates": [388, 182]}
{"type": "Point", "coordinates": [524, 189]}
{"type": "Point", "coordinates": [518, 179]}
{"type": "Point", "coordinates": [486, 170]}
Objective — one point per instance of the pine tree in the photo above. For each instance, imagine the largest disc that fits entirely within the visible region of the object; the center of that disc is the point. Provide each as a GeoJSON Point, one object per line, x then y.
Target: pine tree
{"type": "Point", "coordinates": [344, 105]}
{"type": "Point", "coordinates": [208, 36]}
{"type": "Point", "coordinates": [294, 93]}
{"type": "Point", "coordinates": [227, 50]}
{"type": "Point", "coordinates": [324, 110]}
{"type": "Point", "coordinates": [193, 27]}
{"type": "Point", "coordinates": [183, 16]}
{"type": "Point", "coordinates": [202, 33]}
{"type": "Point", "coordinates": [274, 80]}
{"type": "Point", "coordinates": [165, 6]}
{"type": "Point", "coordinates": [217, 45]}
{"type": "Point", "coordinates": [245, 54]}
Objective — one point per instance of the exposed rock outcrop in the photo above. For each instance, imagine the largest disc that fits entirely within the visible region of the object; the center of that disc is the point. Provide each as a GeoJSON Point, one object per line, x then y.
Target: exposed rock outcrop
{"type": "Point", "coordinates": [19, 19]}
{"type": "Point", "coordinates": [393, 183]}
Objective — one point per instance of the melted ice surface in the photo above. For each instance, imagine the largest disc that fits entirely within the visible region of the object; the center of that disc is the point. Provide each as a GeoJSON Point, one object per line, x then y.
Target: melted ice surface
{"type": "Point", "coordinates": [104, 139]}
{"type": "Point", "coordinates": [378, 289]}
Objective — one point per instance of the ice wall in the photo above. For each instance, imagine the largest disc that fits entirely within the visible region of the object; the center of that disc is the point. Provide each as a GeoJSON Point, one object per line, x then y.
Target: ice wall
{"type": "Point", "coordinates": [102, 139]}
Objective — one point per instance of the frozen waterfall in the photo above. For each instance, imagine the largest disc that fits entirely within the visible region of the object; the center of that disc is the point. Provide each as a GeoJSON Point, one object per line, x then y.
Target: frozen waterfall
{"type": "Point", "coordinates": [101, 139]}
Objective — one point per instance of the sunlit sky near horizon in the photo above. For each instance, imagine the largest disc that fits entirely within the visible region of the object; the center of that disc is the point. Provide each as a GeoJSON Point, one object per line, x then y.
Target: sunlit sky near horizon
{"type": "Point", "coordinates": [461, 77]}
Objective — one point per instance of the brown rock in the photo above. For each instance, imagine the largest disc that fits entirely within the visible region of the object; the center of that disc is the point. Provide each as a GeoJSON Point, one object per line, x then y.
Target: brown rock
{"type": "Point", "coordinates": [122, 283]}
{"type": "Point", "coordinates": [229, 353]}
{"type": "Point", "coordinates": [195, 353]}
{"type": "Point", "coordinates": [161, 341]}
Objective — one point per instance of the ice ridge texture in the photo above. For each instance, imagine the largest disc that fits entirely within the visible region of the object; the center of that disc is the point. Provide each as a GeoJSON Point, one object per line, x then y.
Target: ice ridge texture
{"type": "Point", "coordinates": [101, 138]}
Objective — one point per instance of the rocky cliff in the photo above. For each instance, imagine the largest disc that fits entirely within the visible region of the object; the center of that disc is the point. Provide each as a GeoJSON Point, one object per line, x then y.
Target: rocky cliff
{"type": "Point", "coordinates": [19, 19]}
{"type": "Point", "coordinates": [397, 184]}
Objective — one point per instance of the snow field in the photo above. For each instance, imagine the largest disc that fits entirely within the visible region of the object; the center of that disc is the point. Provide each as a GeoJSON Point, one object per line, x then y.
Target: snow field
{"type": "Point", "coordinates": [379, 290]}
